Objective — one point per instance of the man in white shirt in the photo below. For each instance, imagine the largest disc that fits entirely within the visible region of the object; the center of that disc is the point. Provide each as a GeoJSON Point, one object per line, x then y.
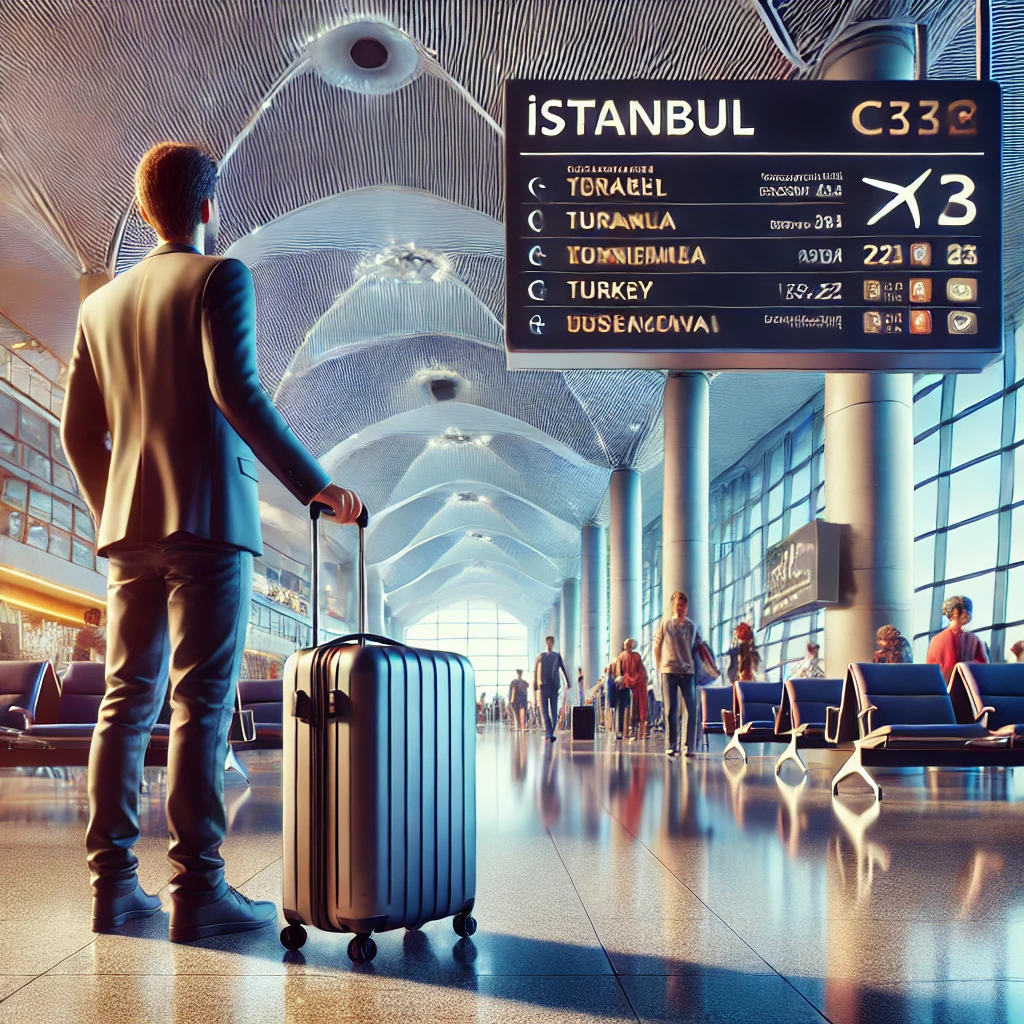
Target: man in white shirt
{"type": "Point", "coordinates": [810, 667]}
{"type": "Point", "coordinates": [674, 643]}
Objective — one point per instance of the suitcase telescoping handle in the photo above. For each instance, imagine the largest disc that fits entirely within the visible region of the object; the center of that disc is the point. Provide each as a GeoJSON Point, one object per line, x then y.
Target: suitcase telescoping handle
{"type": "Point", "coordinates": [316, 509]}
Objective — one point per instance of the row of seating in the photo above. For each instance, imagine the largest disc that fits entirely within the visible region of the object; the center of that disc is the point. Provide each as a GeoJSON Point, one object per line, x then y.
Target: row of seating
{"type": "Point", "coordinates": [888, 715]}
{"type": "Point", "coordinates": [49, 722]}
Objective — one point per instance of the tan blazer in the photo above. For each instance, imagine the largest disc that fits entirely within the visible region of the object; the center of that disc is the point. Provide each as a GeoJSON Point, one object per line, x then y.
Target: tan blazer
{"type": "Point", "coordinates": [165, 361]}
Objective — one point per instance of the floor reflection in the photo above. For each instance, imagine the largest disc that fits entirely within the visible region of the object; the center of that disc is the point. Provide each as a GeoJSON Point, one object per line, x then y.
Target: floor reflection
{"type": "Point", "coordinates": [613, 883]}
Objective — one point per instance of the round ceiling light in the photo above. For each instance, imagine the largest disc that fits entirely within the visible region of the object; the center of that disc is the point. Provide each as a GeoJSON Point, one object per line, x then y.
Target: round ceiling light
{"type": "Point", "coordinates": [371, 57]}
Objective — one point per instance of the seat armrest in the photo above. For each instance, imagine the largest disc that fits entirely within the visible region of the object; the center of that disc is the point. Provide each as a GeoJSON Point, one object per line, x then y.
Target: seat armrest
{"type": "Point", "coordinates": [831, 724]}
{"type": "Point", "coordinates": [729, 722]}
{"type": "Point", "coordinates": [980, 718]}
{"type": "Point", "coordinates": [27, 715]}
{"type": "Point", "coordinates": [864, 718]}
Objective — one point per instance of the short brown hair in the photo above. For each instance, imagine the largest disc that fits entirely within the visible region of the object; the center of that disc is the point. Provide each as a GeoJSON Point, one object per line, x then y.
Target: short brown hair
{"type": "Point", "coordinates": [680, 593]}
{"type": "Point", "coordinates": [171, 182]}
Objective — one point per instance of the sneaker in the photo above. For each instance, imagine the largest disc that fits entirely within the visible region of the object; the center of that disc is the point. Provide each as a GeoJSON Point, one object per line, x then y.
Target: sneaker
{"type": "Point", "coordinates": [670, 751]}
{"type": "Point", "coordinates": [618, 735]}
{"type": "Point", "coordinates": [233, 912]}
{"type": "Point", "coordinates": [113, 911]}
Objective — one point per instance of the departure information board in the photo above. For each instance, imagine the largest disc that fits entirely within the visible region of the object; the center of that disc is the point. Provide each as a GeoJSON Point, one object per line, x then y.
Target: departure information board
{"type": "Point", "coordinates": [753, 225]}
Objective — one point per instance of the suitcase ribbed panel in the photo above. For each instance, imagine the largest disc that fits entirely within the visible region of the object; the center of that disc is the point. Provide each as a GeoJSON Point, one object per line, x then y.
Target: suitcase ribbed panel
{"type": "Point", "coordinates": [380, 798]}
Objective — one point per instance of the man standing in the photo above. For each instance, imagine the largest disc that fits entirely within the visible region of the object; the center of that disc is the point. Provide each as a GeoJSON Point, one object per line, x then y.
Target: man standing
{"type": "Point", "coordinates": [810, 667]}
{"type": "Point", "coordinates": [955, 644]}
{"type": "Point", "coordinates": [549, 664]}
{"type": "Point", "coordinates": [674, 641]}
{"type": "Point", "coordinates": [164, 419]}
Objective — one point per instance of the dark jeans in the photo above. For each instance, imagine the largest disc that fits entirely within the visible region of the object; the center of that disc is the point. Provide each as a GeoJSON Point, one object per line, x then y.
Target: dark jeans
{"type": "Point", "coordinates": [622, 702]}
{"type": "Point", "coordinates": [184, 603]}
{"type": "Point", "coordinates": [685, 685]}
{"type": "Point", "coordinates": [549, 705]}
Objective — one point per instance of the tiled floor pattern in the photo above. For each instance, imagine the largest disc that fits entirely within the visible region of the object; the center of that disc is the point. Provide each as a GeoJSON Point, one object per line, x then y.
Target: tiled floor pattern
{"type": "Point", "coordinates": [613, 885]}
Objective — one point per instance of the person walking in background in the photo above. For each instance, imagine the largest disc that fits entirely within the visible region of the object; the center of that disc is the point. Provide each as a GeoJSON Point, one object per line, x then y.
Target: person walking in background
{"type": "Point", "coordinates": [630, 666]}
{"type": "Point", "coordinates": [893, 647]}
{"type": "Point", "coordinates": [954, 643]}
{"type": "Point", "coordinates": [164, 418]}
{"type": "Point", "coordinates": [581, 685]}
{"type": "Point", "coordinates": [744, 657]}
{"type": "Point", "coordinates": [518, 692]}
{"type": "Point", "coordinates": [548, 668]}
{"type": "Point", "coordinates": [810, 667]}
{"type": "Point", "coordinates": [91, 638]}
{"type": "Point", "coordinates": [674, 641]}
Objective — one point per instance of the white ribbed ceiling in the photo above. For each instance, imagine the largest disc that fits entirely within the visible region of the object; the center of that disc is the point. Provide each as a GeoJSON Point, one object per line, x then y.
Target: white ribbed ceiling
{"type": "Point", "coordinates": [372, 221]}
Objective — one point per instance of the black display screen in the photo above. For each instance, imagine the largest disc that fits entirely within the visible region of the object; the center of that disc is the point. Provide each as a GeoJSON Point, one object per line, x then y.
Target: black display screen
{"type": "Point", "coordinates": [753, 225]}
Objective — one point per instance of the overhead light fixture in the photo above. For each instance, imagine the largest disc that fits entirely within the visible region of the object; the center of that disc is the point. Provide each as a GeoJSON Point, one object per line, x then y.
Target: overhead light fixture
{"type": "Point", "coordinates": [366, 56]}
{"type": "Point", "coordinates": [478, 536]}
{"type": "Point", "coordinates": [467, 496]}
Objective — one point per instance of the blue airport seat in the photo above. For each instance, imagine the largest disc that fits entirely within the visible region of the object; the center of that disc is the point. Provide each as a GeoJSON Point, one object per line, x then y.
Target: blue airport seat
{"type": "Point", "coordinates": [902, 716]}
{"type": "Point", "coordinates": [804, 715]}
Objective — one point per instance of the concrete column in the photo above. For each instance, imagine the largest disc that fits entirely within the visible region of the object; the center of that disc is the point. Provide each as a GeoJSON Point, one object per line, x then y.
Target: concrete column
{"type": "Point", "coordinates": [594, 601]}
{"type": "Point", "coordinates": [625, 557]}
{"type": "Point", "coordinates": [375, 608]}
{"type": "Point", "coordinates": [869, 436]}
{"type": "Point", "coordinates": [684, 512]}
{"type": "Point", "coordinates": [570, 633]}
{"type": "Point", "coordinates": [554, 623]}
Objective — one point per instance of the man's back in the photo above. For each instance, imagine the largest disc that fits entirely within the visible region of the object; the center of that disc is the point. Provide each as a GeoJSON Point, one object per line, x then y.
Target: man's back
{"type": "Point", "coordinates": [165, 360]}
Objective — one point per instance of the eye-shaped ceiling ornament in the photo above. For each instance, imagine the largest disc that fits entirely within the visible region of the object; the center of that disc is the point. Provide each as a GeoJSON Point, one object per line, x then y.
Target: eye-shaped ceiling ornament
{"type": "Point", "coordinates": [364, 56]}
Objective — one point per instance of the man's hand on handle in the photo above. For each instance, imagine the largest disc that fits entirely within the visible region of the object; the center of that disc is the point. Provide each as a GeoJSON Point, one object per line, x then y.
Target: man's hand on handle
{"type": "Point", "coordinates": [344, 505]}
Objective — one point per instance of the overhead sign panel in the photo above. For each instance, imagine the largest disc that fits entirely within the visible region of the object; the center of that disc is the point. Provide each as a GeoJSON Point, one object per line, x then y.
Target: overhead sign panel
{"type": "Point", "coordinates": [753, 225]}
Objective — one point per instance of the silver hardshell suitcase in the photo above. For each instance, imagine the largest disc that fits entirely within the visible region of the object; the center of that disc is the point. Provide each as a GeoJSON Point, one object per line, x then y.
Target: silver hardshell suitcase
{"type": "Point", "coordinates": [378, 784]}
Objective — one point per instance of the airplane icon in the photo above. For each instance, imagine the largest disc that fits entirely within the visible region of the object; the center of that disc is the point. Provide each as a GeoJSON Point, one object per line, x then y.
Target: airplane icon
{"type": "Point", "coordinates": [903, 194]}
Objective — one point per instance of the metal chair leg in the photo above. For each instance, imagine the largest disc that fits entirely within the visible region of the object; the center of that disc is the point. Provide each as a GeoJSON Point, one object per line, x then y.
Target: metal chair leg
{"type": "Point", "coordinates": [232, 764]}
{"type": "Point", "coordinates": [790, 754]}
{"type": "Point", "coordinates": [855, 766]}
{"type": "Point", "coordinates": [734, 744]}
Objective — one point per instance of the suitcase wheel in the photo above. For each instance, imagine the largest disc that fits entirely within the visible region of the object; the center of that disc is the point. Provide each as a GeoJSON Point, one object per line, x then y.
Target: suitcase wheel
{"type": "Point", "coordinates": [293, 937]}
{"type": "Point", "coordinates": [464, 925]}
{"type": "Point", "coordinates": [362, 949]}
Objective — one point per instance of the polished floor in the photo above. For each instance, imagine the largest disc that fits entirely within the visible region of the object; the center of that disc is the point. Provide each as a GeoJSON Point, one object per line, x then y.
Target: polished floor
{"type": "Point", "coordinates": [614, 885]}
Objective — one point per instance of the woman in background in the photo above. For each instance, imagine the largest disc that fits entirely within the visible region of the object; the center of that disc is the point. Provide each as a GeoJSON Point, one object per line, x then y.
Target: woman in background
{"type": "Point", "coordinates": [744, 657]}
{"type": "Point", "coordinates": [634, 681]}
{"type": "Point", "coordinates": [893, 647]}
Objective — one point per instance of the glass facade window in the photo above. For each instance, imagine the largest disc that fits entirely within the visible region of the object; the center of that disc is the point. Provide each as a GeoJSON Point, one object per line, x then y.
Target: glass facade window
{"type": "Point", "coordinates": [494, 641]}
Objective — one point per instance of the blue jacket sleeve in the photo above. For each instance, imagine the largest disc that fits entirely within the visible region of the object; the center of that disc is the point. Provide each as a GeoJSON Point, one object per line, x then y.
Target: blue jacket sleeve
{"type": "Point", "coordinates": [229, 350]}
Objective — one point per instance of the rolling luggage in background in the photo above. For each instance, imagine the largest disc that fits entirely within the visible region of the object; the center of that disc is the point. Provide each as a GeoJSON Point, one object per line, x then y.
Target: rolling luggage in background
{"type": "Point", "coordinates": [584, 722]}
{"type": "Point", "coordinates": [378, 784]}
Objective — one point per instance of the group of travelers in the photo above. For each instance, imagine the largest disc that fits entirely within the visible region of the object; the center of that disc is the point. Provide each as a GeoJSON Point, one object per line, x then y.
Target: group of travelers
{"type": "Point", "coordinates": [683, 661]}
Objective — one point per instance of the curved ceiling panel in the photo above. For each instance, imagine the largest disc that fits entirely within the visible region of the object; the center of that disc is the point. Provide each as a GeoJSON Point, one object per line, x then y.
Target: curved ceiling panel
{"type": "Point", "coordinates": [372, 383]}
{"type": "Point", "coordinates": [327, 140]}
{"type": "Point", "coordinates": [438, 585]}
{"type": "Point", "coordinates": [375, 311]}
{"type": "Point", "coordinates": [462, 505]}
{"type": "Point", "coordinates": [474, 545]}
{"type": "Point", "coordinates": [369, 218]}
